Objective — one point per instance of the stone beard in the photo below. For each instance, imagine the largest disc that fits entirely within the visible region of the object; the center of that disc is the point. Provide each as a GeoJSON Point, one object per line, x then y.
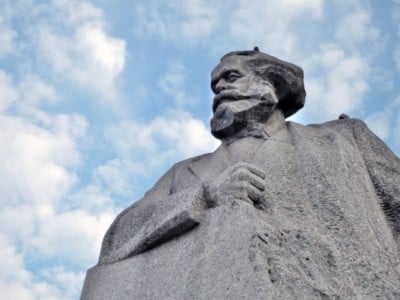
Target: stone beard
{"type": "Point", "coordinates": [242, 118]}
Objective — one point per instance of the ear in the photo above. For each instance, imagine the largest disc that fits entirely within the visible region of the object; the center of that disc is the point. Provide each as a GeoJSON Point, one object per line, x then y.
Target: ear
{"type": "Point", "coordinates": [273, 74]}
{"type": "Point", "coordinates": [289, 88]}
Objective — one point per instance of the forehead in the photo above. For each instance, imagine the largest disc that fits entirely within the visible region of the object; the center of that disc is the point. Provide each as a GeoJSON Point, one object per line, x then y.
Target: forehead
{"type": "Point", "coordinates": [230, 63]}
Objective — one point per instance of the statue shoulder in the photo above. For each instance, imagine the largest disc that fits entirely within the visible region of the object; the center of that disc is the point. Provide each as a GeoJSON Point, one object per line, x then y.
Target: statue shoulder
{"type": "Point", "coordinates": [190, 160]}
{"type": "Point", "coordinates": [342, 125]}
{"type": "Point", "coordinates": [351, 129]}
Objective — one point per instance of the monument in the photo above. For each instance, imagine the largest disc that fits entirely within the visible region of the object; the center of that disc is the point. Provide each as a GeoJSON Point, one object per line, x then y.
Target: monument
{"type": "Point", "coordinates": [279, 211]}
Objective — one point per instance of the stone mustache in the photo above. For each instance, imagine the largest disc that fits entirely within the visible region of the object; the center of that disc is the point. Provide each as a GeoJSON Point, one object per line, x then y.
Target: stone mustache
{"type": "Point", "coordinates": [279, 211]}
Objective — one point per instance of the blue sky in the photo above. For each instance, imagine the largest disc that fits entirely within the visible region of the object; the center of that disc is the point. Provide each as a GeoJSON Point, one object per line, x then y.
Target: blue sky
{"type": "Point", "coordinates": [99, 98]}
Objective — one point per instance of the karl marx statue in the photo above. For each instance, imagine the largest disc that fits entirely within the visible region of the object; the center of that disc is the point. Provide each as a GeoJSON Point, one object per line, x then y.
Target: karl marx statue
{"type": "Point", "coordinates": [279, 211]}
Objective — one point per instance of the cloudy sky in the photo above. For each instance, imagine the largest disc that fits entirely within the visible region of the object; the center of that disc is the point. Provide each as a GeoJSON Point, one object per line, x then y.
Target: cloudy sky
{"type": "Point", "coordinates": [98, 98]}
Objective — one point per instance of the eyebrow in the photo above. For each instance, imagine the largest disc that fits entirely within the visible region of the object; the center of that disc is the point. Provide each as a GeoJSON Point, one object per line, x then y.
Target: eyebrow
{"type": "Point", "coordinates": [222, 73]}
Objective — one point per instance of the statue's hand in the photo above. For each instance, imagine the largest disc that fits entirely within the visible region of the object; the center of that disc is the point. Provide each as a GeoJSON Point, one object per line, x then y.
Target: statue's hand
{"type": "Point", "coordinates": [241, 181]}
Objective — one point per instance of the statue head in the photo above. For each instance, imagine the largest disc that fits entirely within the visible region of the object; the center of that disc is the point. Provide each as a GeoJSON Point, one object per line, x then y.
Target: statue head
{"type": "Point", "coordinates": [249, 86]}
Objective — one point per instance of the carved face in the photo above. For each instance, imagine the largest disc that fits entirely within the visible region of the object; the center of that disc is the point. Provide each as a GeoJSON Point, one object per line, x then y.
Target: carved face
{"type": "Point", "coordinates": [243, 100]}
{"type": "Point", "coordinates": [233, 81]}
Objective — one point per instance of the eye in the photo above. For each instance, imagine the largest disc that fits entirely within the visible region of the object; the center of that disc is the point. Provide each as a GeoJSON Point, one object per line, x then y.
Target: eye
{"type": "Point", "coordinates": [232, 76]}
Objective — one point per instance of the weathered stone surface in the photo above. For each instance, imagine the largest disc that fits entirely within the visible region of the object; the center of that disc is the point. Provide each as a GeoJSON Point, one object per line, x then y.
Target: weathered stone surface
{"type": "Point", "coordinates": [278, 211]}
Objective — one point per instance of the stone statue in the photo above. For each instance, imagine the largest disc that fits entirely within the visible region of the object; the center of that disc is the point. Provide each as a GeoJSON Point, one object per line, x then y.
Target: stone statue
{"type": "Point", "coordinates": [279, 211]}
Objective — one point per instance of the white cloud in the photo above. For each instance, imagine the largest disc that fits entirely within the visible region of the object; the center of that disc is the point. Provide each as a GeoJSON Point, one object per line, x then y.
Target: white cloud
{"type": "Point", "coordinates": [172, 83]}
{"type": "Point", "coordinates": [7, 38]}
{"type": "Point", "coordinates": [18, 283]}
{"type": "Point", "coordinates": [93, 199]}
{"type": "Point", "coordinates": [33, 91]}
{"type": "Point", "coordinates": [14, 290]}
{"type": "Point", "coordinates": [90, 57]}
{"type": "Point", "coordinates": [69, 282]}
{"type": "Point", "coordinates": [50, 225]}
{"type": "Point", "coordinates": [356, 27]}
{"type": "Point", "coordinates": [26, 214]}
{"type": "Point", "coordinates": [12, 263]}
{"type": "Point", "coordinates": [69, 36]}
{"type": "Point", "coordinates": [395, 126]}
{"type": "Point", "coordinates": [386, 122]}
{"type": "Point", "coordinates": [380, 123]}
{"type": "Point", "coordinates": [200, 19]}
{"type": "Point", "coordinates": [25, 95]}
{"type": "Point", "coordinates": [114, 176]}
{"type": "Point", "coordinates": [176, 131]}
{"type": "Point", "coordinates": [396, 131]}
{"type": "Point", "coordinates": [143, 148]}
{"type": "Point", "coordinates": [34, 161]}
{"type": "Point", "coordinates": [189, 21]}
{"type": "Point", "coordinates": [73, 236]}
{"type": "Point", "coordinates": [337, 83]}
{"type": "Point", "coordinates": [38, 158]}
{"type": "Point", "coordinates": [270, 24]}
{"type": "Point", "coordinates": [8, 93]}
{"type": "Point", "coordinates": [189, 135]}
{"type": "Point", "coordinates": [14, 279]}
{"type": "Point", "coordinates": [38, 161]}
{"type": "Point", "coordinates": [395, 14]}
{"type": "Point", "coordinates": [77, 12]}
{"type": "Point", "coordinates": [397, 58]}
{"type": "Point", "coordinates": [37, 165]}
{"type": "Point", "coordinates": [107, 52]}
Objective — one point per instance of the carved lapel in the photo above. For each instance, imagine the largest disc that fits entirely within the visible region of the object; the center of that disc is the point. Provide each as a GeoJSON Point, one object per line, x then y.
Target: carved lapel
{"type": "Point", "coordinates": [208, 166]}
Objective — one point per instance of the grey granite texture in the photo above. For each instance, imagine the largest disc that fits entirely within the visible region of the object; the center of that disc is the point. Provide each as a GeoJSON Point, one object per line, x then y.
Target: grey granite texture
{"type": "Point", "coordinates": [279, 211]}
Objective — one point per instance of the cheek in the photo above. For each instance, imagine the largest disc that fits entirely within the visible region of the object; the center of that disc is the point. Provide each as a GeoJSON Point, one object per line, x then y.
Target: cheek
{"type": "Point", "coordinates": [259, 88]}
{"type": "Point", "coordinates": [251, 86]}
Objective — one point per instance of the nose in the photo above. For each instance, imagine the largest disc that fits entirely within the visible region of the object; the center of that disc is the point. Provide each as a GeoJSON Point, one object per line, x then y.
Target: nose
{"type": "Point", "coordinates": [220, 86]}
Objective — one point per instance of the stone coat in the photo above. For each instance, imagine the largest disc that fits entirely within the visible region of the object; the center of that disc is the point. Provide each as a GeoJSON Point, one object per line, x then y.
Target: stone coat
{"type": "Point", "coordinates": [330, 228]}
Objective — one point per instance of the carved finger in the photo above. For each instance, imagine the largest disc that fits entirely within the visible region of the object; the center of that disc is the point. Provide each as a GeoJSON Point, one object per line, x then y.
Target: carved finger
{"type": "Point", "coordinates": [257, 171]}
{"type": "Point", "coordinates": [241, 174]}
{"type": "Point", "coordinates": [246, 176]}
{"type": "Point", "coordinates": [252, 168]}
{"type": "Point", "coordinates": [257, 182]}
{"type": "Point", "coordinates": [254, 194]}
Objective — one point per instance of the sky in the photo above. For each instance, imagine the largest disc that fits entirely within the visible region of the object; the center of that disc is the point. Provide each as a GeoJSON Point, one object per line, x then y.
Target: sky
{"type": "Point", "coordinates": [99, 98]}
